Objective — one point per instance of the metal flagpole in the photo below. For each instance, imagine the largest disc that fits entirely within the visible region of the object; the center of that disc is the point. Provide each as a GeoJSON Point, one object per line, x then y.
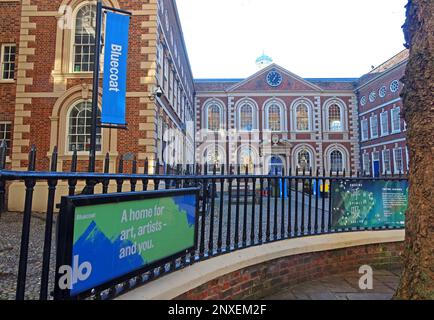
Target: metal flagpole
{"type": "Point", "coordinates": [96, 61]}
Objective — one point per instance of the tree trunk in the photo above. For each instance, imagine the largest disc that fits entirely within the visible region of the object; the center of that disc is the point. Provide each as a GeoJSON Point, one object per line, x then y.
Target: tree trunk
{"type": "Point", "coordinates": [417, 280]}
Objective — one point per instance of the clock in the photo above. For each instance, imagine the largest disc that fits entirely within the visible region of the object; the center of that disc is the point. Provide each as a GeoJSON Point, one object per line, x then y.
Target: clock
{"type": "Point", "coordinates": [274, 78]}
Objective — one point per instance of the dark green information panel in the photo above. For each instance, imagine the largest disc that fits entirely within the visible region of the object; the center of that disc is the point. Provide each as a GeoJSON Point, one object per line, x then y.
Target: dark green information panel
{"type": "Point", "coordinates": [369, 203]}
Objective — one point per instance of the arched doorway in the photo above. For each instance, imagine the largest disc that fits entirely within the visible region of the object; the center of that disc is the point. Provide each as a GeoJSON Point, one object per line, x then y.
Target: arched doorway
{"type": "Point", "coordinates": [275, 165]}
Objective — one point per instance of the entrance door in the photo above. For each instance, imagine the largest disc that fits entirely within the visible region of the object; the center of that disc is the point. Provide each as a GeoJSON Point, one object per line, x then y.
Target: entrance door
{"type": "Point", "coordinates": [275, 165]}
{"type": "Point", "coordinates": [376, 164]}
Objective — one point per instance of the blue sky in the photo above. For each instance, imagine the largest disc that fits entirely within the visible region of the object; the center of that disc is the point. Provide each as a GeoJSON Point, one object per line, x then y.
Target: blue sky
{"type": "Point", "coordinates": [312, 38]}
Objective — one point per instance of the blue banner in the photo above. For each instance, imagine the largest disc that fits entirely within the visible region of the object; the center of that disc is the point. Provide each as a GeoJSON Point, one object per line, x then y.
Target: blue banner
{"type": "Point", "coordinates": [115, 69]}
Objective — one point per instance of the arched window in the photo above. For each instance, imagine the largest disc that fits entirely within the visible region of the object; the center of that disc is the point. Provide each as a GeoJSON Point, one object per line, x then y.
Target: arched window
{"type": "Point", "coordinates": [303, 160]}
{"type": "Point", "coordinates": [214, 156]}
{"type": "Point", "coordinates": [214, 117]}
{"type": "Point", "coordinates": [274, 118]}
{"type": "Point", "coordinates": [302, 117]}
{"type": "Point", "coordinates": [246, 158]}
{"type": "Point", "coordinates": [335, 118]}
{"type": "Point", "coordinates": [79, 127]}
{"type": "Point", "coordinates": [245, 114]}
{"type": "Point", "coordinates": [336, 161]}
{"type": "Point", "coordinates": [84, 38]}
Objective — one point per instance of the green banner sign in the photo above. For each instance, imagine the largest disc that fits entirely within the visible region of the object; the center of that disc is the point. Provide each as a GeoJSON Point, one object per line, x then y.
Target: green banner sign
{"type": "Point", "coordinates": [369, 203]}
{"type": "Point", "coordinates": [111, 236]}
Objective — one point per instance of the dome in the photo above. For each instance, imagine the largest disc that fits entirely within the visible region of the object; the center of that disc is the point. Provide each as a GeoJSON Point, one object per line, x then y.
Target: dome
{"type": "Point", "coordinates": [264, 61]}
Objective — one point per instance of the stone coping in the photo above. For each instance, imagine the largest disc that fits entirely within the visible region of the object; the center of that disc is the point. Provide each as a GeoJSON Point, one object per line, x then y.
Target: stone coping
{"type": "Point", "coordinates": [172, 285]}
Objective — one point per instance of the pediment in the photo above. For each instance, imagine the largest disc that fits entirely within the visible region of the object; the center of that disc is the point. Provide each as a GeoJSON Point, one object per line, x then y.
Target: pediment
{"type": "Point", "coordinates": [290, 82]}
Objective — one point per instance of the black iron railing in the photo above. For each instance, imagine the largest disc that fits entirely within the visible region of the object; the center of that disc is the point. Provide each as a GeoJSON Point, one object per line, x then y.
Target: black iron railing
{"type": "Point", "coordinates": [237, 209]}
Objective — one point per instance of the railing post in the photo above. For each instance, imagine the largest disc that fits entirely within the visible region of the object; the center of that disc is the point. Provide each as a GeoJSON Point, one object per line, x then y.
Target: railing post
{"type": "Point", "coordinates": [25, 233]}
{"type": "Point", "coordinates": [52, 183]}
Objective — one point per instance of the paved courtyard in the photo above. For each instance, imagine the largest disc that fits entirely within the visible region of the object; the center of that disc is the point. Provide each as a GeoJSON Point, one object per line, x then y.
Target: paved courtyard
{"type": "Point", "coordinates": [343, 287]}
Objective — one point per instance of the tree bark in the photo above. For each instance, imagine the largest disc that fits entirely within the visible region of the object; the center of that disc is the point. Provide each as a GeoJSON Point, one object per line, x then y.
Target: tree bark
{"type": "Point", "coordinates": [417, 280]}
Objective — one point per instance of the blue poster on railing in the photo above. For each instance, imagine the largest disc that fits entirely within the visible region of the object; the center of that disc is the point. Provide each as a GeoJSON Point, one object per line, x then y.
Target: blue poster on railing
{"type": "Point", "coordinates": [115, 69]}
{"type": "Point", "coordinates": [369, 203]}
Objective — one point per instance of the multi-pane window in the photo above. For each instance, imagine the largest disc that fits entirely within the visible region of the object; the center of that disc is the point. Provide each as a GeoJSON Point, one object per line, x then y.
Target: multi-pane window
{"type": "Point", "coordinates": [336, 161]}
{"type": "Point", "coordinates": [366, 163]}
{"type": "Point", "coordinates": [274, 121]}
{"type": "Point", "coordinates": [303, 160]}
{"type": "Point", "coordinates": [79, 128]}
{"type": "Point", "coordinates": [387, 167]}
{"type": "Point", "coordinates": [398, 160]}
{"type": "Point", "coordinates": [246, 117]}
{"type": "Point", "coordinates": [5, 135]}
{"type": "Point", "coordinates": [213, 117]}
{"type": "Point", "coordinates": [396, 120]}
{"type": "Point", "coordinates": [335, 122]}
{"type": "Point", "coordinates": [302, 116]}
{"type": "Point", "coordinates": [7, 67]}
{"type": "Point", "coordinates": [374, 126]}
{"type": "Point", "coordinates": [84, 38]}
{"type": "Point", "coordinates": [384, 120]}
{"type": "Point", "coordinates": [364, 129]}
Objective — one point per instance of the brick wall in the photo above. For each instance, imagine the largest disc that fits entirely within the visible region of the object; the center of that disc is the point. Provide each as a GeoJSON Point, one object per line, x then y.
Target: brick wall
{"type": "Point", "coordinates": [261, 280]}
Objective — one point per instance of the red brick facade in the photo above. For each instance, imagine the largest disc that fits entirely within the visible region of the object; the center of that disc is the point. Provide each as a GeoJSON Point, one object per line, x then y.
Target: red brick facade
{"type": "Point", "coordinates": [289, 142]}
{"type": "Point", "coordinates": [265, 279]}
{"type": "Point", "coordinates": [383, 144]}
{"type": "Point", "coordinates": [46, 87]}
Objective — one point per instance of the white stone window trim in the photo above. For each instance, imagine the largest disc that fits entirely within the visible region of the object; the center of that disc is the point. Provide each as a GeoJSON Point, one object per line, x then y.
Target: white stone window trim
{"type": "Point", "coordinates": [382, 92]}
{"type": "Point", "coordinates": [363, 101]}
{"type": "Point", "coordinates": [282, 107]}
{"type": "Point", "coordinates": [373, 124]}
{"type": "Point", "coordinates": [383, 152]}
{"type": "Point", "coordinates": [384, 129]}
{"type": "Point", "coordinates": [372, 96]}
{"type": "Point", "coordinates": [366, 163]}
{"type": "Point", "coordinates": [309, 149]}
{"type": "Point", "coordinates": [10, 140]}
{"type": "Point", "coordinates": [395, 166]}
{"type": "Point", "coordinates": [294, 107]}
{"type": "Point", "coordinates": [364, 123]}
{"type": "Point", "coordinates": [343, 114]}
{"type": "Point", "coordinates": [345, 157]}
{"type": "Point", "coordinates": [395, 110]}
{"type": "Point", "coordinates": [68, 117]}
{"type": "Point", "coordinates": [255, 113]}
{"type": "Point", "coordinates": [72, 40]}
{"type": "Point", "coordinates": [205, 109]}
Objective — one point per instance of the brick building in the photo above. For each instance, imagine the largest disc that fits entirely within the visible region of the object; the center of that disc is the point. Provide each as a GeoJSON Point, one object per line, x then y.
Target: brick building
{"type": "Point", "coordinates": [278, 120]}
{"type": "Point", "coordinates": [382, 130]}
{"type": "Point", "coordinates": [47, 50]}
{"type": "Point", "coordinates": [271, 120]}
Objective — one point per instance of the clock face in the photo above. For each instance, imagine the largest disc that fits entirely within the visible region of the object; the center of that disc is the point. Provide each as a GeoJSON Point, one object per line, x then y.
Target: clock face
{"type": "Point", "coordinates": [274, 78]}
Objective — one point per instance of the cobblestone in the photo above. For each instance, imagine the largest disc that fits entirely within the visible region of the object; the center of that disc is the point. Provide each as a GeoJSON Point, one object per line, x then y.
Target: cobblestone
{"type": "Point", "coordinates": [10, 239]}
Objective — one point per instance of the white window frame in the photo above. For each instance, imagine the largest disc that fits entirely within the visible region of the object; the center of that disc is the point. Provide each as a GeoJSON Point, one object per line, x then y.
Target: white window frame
{"type": "Point", "coordinates": [396, 110]}
{"type": "Point", "coordinates": [281, 106]}
{"type": "Point", "coordinates": [366, 158]}
{"type": "Point", "coordinates": [309, 115]}
{"type": "Point", "coordinates": [364, 123]}
{"type": "Point", "coordinates": [383, 152]}
{"type": "Point", "coordinates": [2, 52]}
{"type": "Point", "coordinates": [240, 104]}
{"type": "Point", "coordinates": [206, 109]}
{"type": "Point", "coordinates": [74, 22]}
{"type": "Point", "coordinates": [395, 167]}
{"type": "Point", "coordinates": [343, 115]}
{"type": "Point", "coordinates": [10, 141]}
{"type": "Point", "coordinates": [373, 121]}
{"type": "Point", "coordinates": [68, 117]}
{"type": "Point", "coordinates": [384, 123]}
